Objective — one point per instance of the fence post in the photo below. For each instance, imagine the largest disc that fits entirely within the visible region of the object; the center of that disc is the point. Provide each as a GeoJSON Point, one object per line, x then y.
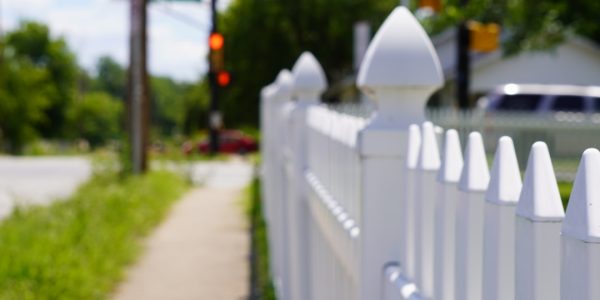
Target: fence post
{"type": "Point", "coordinates": [445, 216]}
{"type": "Point", "coordinates": [469, 221]}
{"type": "Point", "coordinates": [399, 72]}
{"type": "Point", "coordinates": [267, 143]}
{"type": "Point", "coordinates": [429, 164]}
{"type": "Point", "coordinates": [499, 225]}
{"type": "Point", "coordinates": [282, 95]}
{"type": "Point", "coordinates": [266, 101]}
{"type": "Point", "coordinates": [308, 84]}
{"type": "Point", "coordinates": [580, 261]}
{"type": "Point", "coordinates": [539, 216]}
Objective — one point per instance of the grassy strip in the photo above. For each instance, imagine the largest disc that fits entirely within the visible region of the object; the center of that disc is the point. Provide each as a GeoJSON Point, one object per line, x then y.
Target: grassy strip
{"type": "Point", "coordinates": [565, 191]}
{"type": "Point", "coordinates": [261, 285]}
{"type": "Point", "coordinates": [78, 249]}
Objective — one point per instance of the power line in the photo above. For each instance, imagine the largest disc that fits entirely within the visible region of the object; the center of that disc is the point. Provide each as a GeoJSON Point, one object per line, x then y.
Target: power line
{"type": "Point", "coordinates": [181, 17]}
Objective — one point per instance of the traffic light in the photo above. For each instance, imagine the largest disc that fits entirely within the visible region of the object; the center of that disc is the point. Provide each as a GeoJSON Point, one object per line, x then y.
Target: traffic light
{"type": "Point", "coordinates": [216, 43]}
{"type": "Point", "coordinates": [223, 78]}
{"type": "Point", "coordinates": [434, 5]}
{"type": "Point", "coordinates": [484, 37]}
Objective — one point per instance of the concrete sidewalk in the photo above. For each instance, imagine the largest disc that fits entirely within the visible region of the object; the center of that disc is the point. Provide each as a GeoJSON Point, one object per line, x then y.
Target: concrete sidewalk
{"type": "Point", "coordinates": [201, 250]}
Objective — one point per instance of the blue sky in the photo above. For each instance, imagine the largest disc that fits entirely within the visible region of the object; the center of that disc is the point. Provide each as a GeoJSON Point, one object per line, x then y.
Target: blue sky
{"type": "Point", "coordinates": [177, 31]}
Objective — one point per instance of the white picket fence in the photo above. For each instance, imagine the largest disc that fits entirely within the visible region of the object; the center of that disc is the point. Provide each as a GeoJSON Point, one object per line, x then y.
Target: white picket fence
{"type": "Point", "coordinates": [371, 208]}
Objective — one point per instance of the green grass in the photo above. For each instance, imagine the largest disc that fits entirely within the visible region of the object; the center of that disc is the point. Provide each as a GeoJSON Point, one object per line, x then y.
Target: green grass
{"type": "Point", "coordinates": [79, 248]}
{"type": "Point", "coordinates": [262, 287]}
{"type": "Point", "coordinates": [565, 190]}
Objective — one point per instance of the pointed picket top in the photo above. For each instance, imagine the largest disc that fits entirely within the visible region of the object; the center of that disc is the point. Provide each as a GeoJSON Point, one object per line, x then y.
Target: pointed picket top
{"type": "Point", "coordinates": [582, 220]}
{"type": "Point", "coordinates": [400, 54]}
{"type": "Point", "coordinates": [414, 146]}
{"type": "Point", "coordinates": [505, 179]}
{"type": "Point", "coordinates": [284, 84]}
{"type": "Point", "coordinates": [309, 77]}
{"type": "Point", "coordinates": [452, 162]}
{"type": "Point", "coordinates": [475, 174]}
{"type": "Point", "coordinates": [429, 155]}
{"type": "Point", "coordinates": [540, 199]}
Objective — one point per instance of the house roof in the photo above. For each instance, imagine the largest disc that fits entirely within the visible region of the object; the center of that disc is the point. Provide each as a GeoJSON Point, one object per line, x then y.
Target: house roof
{"type": "Point", "coordinates": [478, 60]}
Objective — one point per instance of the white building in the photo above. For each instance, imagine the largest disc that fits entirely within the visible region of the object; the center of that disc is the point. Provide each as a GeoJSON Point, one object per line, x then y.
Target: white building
{"type": "Point", "coordinates": [576, 61]}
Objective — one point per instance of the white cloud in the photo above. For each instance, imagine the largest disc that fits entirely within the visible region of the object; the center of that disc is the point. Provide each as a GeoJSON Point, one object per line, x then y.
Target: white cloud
{"type": "Point", "coordinates": [177, 31]}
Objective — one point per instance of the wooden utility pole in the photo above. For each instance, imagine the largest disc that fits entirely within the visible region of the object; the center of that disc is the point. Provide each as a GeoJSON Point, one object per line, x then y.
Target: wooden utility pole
{"type": "Point", "coordinates": [137, 95]}
{"type": "Point", "coordinates": [463, 66]}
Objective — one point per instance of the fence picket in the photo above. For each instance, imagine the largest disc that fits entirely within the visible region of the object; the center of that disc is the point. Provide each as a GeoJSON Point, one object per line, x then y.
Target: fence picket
{"type": "Point", "coordinates": [408, 203]}
{"type": "Point", "coordinates": [499, 226]}
{"type": "Point", "coordinates": [445, 216]}
{"type": "Point", "coordinates": [539, 217]}
{"type": "Point", "coordinates": [469, 221]}
{"type": "Point", "coordinates": [581, 233]}
{"type": "Point", "coordinates": [428, 166]}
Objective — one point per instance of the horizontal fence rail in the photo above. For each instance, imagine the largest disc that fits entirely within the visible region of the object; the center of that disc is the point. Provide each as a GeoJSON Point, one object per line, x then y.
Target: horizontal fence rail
{"type": "Point", "coordinates": [372, 201]}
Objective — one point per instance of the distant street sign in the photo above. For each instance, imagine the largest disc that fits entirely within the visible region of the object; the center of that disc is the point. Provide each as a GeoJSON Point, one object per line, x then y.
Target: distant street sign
{"type": "Point", "coordinates": [176, 1]}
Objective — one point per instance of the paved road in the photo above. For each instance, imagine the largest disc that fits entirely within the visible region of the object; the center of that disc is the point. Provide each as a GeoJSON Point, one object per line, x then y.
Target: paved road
{"type": "Point", "coordinates": [201, 250]}
{"type": "Point", "coordinates": [39, 180]}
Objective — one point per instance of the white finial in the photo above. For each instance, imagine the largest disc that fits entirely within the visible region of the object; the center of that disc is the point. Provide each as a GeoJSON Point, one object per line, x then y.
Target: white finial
{"type": "Point", "coordinates": [540, 198]}
{"type": "Point", "coordinates": [284, 84]}
{"type": "Point", "coordinates": [505, 181]}
{"type": "Point", "coordinates": [582, 220]}
{"type": "Point", "coordinates": [401, 54]}
{"type": "Point", "coordinates": [309, 77]}
{"type": "Point", "coordinates": [475, 174]}
{"type": "Point", "coordinates": [400, 71]}
{"type": "Point", "coordinates": [267, 91]}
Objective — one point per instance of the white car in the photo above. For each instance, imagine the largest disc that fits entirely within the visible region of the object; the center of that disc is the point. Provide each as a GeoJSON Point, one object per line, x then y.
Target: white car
{"type": "Point", "coordinates": [541, 99]}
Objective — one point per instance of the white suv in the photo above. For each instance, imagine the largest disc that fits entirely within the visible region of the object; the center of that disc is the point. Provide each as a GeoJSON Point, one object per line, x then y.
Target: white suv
{"type": "Point", "coordinates": [537, 98]}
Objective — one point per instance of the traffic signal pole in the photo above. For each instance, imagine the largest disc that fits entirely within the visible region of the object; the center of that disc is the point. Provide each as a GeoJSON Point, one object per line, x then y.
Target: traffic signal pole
{"type": "Point", "coordinates": [214, 115]}
{"type": "Point", "coordinates": [463, 64]}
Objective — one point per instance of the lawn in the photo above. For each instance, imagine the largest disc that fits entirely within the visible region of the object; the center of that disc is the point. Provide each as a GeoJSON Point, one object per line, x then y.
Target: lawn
{"type": "Point", "coordinates": [80, 247]}
{"type": "Point", "coordinates": [565, 191]}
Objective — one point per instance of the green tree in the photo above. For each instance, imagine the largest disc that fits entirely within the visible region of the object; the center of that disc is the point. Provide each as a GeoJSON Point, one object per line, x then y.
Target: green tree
{"type": "Point", "coordinates": [195, 108]}
{"type": "Point", "coordinates": [97, 118]}
{"type": "Point", "coordinates": [111, 78]}
{"type": "Point", "coordinates": [167, 104]}
{"type": "Point", "coordinates": [22, 100]}
{"type": "Point", "coordinates": [263, 36]}
{"type": "Point", "coordinates": [32, 42]}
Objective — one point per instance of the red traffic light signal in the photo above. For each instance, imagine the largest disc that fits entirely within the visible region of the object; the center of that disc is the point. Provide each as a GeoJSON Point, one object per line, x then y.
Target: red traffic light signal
{"type": "Point", "coordinates": [216, 41]}
{"type": "Point", "coordinates": [223, 78]}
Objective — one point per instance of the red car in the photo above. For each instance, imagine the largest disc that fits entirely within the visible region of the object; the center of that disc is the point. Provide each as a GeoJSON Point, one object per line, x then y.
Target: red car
{"type": "Point", "coordinates": [230, 141]}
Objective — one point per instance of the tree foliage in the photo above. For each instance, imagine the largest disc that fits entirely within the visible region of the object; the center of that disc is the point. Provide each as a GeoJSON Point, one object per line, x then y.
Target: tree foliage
{"type": "Point", "coordinates": [111, 77]}
{"type": "Point", "coordinates": [22, 100]}
{"type": "Point", "coordinates": [262, 36]}
{"type": "Point", "coordinates": [32, 43]}
{"type": "Point", "coordinates": [167, 98]}
{"type": "Point", "coordinates": [44, 93]}
{"type": "Point", "coordinates": [196, 108]}
{"type": "Point", "coordinates": [527, 25]}
{"type": "Point", "coordinates": [97, 118]}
